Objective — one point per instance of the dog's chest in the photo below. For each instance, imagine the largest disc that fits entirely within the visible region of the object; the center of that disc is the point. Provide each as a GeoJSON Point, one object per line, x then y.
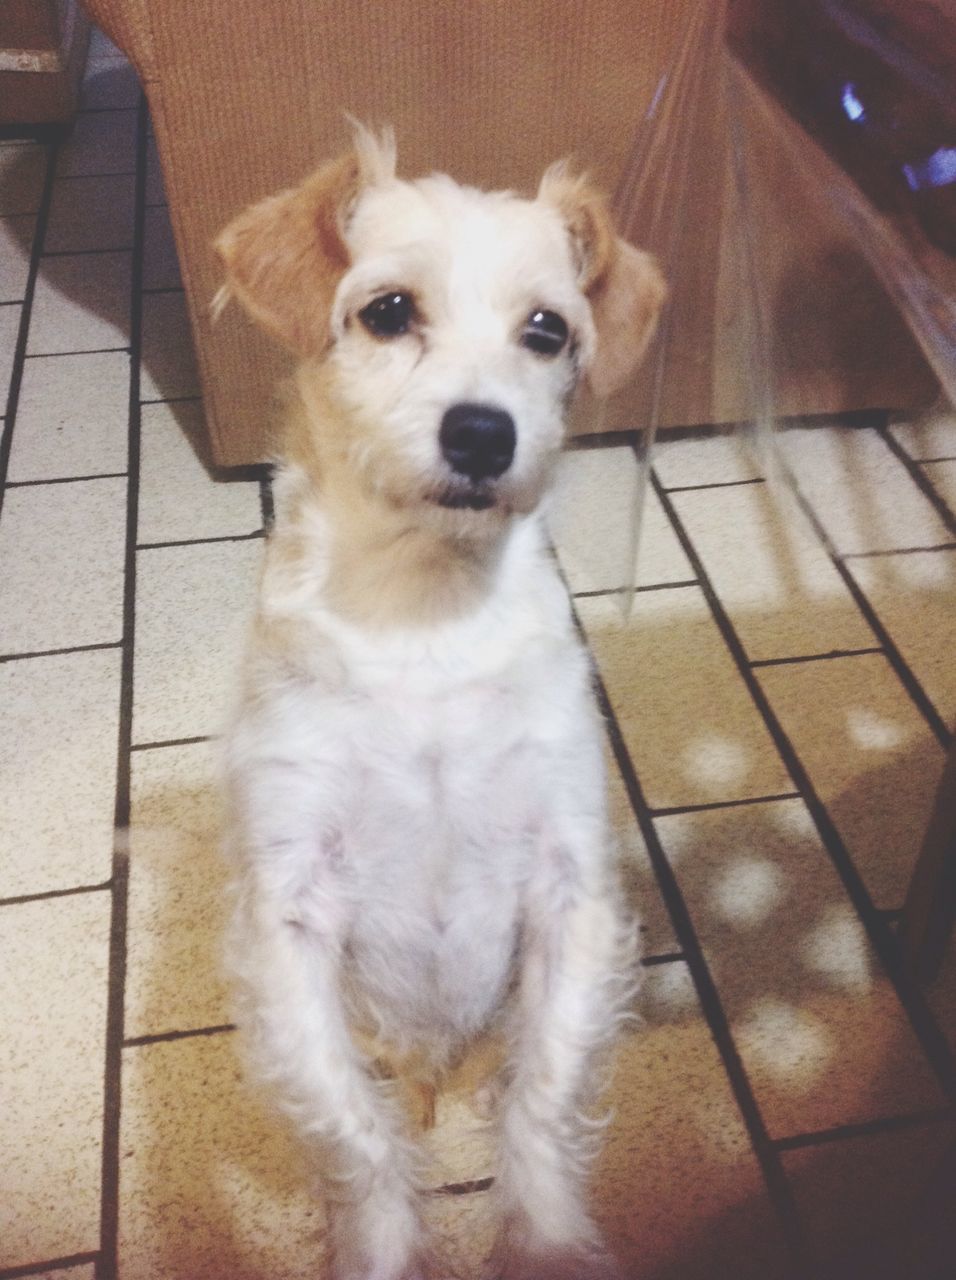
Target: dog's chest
{"type": "Point", "coordinates": [446, 811]}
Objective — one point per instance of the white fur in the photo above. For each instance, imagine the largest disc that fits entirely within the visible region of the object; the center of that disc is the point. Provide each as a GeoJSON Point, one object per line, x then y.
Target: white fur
{"type": "Point", "coordinates": [416, 781]}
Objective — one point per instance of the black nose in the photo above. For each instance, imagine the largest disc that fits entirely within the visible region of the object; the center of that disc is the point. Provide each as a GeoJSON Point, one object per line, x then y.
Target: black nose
{"type": "Point", "coordinates": [477, 440]}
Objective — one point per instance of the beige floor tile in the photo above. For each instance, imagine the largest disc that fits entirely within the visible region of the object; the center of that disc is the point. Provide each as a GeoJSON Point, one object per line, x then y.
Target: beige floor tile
{"type": "Point", "coordinates": [53, 994]}
{"type": "Point", "coordinates": [177, 885]}
{"type": "Point", "coordinates": [870, 757]}
{"type": "Point", "coordinates": [677, 1187]}
{"type": "Point", "coordinates": [177, 497]}
{"type": "Point", "coordinates": [62, 549]}
{"type": "Point", "coordinates": [101, 142]}
{"type": "Point", "coordinates": [109, 82]}
{"type": "Point", "coordinates": [22, 172]}
{"type": "Point", "coordinates": [9, 328]}
{"type": "Point", "coordinates": [73, 417]}
{"type": "Point", "coordinates": [859, 490]}
{"type": "Point", "coordinates": [718, 459]}
{"type": "Point", "coordinates": [192, 610]}
{"type": "Point", "coordinates": [784, 595]}
{"type": "Point", "coordinates": [590, 524]}
{"type": "Point", "coordinates": [821, 1033]}
{"type": "Point", "coordinates": [91, 213]}
{"type": "Point", "coordinates": [59, 717]}
{"type": "Point", "coordinates": [931, 436]}
{"type": "Point", "coordinates": [692, 730]}
{"type": "Point", "coordinates": [16, 243]}
{"type": "Point", "coordinates": [915, 598]}
{"type": "Point", "coordinates": [81, 303]}
{"type": "Point", "coordinates": [942, 476]}
{"type": "Point", "coordinates": [169, 365]}
{"type": "Point", "coordinates": [160, 261]}
{"type": "Point", "coordinates": [875, 1206]}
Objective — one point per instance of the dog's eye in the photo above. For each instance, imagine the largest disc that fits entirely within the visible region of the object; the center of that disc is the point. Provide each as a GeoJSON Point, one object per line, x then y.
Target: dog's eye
{"type": "Point", "coordinates": [389, 316]}
{"type": "Point", "coordinates": [544, 333]}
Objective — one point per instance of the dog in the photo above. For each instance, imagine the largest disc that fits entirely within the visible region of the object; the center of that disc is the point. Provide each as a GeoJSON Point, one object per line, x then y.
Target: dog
{"type": "Point", "coordinates": [415, 774]}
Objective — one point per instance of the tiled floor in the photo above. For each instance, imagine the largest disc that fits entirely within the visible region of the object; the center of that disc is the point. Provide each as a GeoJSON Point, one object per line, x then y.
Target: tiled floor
{"type": "Point", "coordinates": [776, 706]}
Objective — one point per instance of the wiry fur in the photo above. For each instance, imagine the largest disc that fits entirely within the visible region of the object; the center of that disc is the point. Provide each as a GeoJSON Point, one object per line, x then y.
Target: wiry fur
{"type": "Point", "coordinates": [415, 774]}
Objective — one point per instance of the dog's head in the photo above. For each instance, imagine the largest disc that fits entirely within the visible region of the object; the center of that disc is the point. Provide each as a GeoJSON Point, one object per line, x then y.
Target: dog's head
{"type": "Point", "coordinates": [443, 329]}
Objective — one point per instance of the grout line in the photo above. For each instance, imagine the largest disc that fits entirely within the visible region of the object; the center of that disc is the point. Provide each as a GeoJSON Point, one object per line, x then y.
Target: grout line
{"type": "Point", "coordinates": [653, 586]}
{"type": "Point", "coordinates": [778, 1187]}
{"type": "Point", "coordinates": [170, 742]}
{"type": "Point", "coordinates": [715, 484]}
{"type": "Point", "coordinates": [201, 542]}
{"type": "Point", "coordinates": [51, 1264]}
{"type": "Point", "coordinates": [78, 177]}
{"type": "Point", "coordinates": [888, 1124]}
{"type": "Point", "coordinates": [87, 351]}
{"type": "Point", "coordinates": [86, 253]}
{"type": "Point", "coordinates": [59, 653]}
{"type": "Point", "coordinates": [33, 484]}
{"type": "Point", "coordinates": [26, 314]}
{"type": "Point", "coordinates": [107, 1267]}
{"type": "Point", "coordinates": [928, 462]}
{"type": "Point", "coordinates": [920, 479]}
{"type": "Point", "coordinates": [99, 173]}
{"type": "Point", "coordinates": [167, 1037]}
{"type": "Point", "coordinates": [892, 654]}
{"type": "Point", "coordinates": [711, 806]}
{"type": "Point", "coordinates": [898, 551]}
{"type": "Point", "coordinates": [817, 657]}
{"type": "Point", "coordinates": [934, 1044]}
{"type": "Point", "coordinates": [267, 500]}
{"type": "Point", "coordinates": [48, 894]}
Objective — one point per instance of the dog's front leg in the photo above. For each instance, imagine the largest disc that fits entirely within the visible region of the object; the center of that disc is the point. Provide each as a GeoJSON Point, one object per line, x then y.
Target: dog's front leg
{"type": "Point", "coordinates": [577, 967]}
{"type": "Point", "coordinates": [289, 969]}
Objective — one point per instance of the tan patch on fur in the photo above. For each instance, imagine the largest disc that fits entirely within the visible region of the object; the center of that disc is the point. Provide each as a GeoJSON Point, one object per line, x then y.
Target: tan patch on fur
{"type": "Point", "coordinates": [285, 255]}
{"type": "Point", "coordinates": [623, 285]}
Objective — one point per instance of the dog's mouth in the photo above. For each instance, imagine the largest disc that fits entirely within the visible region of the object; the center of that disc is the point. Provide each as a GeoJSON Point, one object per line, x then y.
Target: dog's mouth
{"type": "Point", "coordinates": [473, 498]}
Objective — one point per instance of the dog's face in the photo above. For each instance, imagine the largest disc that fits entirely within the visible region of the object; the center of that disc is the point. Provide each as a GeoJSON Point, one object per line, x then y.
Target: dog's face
{"type": "Point", "coordinates": [444, 329]}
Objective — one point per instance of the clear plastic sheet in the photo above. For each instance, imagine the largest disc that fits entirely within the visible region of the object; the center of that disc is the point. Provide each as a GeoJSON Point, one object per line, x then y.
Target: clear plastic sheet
{"type": "Point", "coordinates": [812, 147]}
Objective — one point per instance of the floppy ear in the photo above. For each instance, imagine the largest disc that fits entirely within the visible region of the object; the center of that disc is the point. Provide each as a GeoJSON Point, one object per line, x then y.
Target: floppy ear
{"type": "Point", "coordinates": [623, 285]}
{"type": "Point", "coordinates": [285, 255]}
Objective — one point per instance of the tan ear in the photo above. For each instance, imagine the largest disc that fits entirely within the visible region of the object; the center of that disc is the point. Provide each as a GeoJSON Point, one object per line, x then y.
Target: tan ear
{"type": "Point", "coordinates": [623, 285]}
{"type": "Point", "coordinates": [285, 255]}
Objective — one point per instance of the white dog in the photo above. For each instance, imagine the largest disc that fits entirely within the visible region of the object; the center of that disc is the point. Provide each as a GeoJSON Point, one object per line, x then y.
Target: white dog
{"type": "Point", "coordinates": [416, 772]}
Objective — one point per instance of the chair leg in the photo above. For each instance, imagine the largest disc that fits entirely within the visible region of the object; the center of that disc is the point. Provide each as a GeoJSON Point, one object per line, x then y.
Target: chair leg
{"type": "Point", "coordinates": [930, 910]}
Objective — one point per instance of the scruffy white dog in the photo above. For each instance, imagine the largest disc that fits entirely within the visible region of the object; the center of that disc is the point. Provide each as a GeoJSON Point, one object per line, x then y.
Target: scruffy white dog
{"type": "Point", "coordinates": [416, 773]}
